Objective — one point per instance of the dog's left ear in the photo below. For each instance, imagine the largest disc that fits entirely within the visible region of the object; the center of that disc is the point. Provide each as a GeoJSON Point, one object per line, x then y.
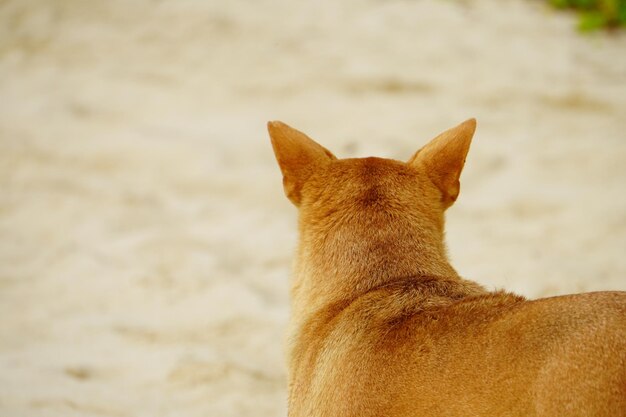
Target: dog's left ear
{"type": "Point", "coordinates": [298, 156]}
{"type": "Point", "coordinates": [444, 157]}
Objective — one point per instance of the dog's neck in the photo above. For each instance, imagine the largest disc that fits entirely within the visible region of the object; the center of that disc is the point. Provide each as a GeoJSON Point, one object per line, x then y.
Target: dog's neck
{"type": "Point", "coordinates": [344, 263]}
{"type": "Point", "coordinates": [338, 265]}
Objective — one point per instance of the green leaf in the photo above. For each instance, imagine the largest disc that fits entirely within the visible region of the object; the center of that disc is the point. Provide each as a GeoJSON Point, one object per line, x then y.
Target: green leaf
{"type": "Point", "coordinates": [596, 14]}
{"type": "Point", "coordinates": [621, 13]}
{"type": "Point", "coordinates": [585, 4]}
{"type": "Point", "coordinates": [560, 4]}
{"type": "Point", "coordinates": [591, 21]}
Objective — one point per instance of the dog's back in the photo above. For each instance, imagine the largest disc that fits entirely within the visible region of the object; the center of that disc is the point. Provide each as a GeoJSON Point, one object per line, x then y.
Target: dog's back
{"type": "Point", "coordinates": [491, 355]}
{"type": "Point", "coordinates": [383, 326]}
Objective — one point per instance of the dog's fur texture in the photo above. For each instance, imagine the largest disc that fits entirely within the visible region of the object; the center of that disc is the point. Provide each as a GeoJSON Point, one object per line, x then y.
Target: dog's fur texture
{"type": "Point", "coordinates": [383, 326]}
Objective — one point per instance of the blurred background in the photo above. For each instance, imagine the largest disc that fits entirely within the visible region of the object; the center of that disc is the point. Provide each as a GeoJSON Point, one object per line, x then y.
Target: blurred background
{"type": "Point", "coordinates": [145, 240]}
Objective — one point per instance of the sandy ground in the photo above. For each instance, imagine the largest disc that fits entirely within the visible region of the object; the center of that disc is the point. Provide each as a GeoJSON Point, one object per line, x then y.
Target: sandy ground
{"type": "Point", "coordinates": [145, 240]}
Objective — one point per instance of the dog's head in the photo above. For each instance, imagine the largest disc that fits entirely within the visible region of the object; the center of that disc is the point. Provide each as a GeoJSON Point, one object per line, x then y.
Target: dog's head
{"type": "Point", "coordinates": [364, 221]}
{"type": "Point", "coordinates": [327, 189]}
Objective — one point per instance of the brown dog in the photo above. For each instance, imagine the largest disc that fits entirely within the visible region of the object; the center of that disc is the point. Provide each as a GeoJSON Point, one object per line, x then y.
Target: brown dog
{"type": "Point", "coordinates": [383, 326]}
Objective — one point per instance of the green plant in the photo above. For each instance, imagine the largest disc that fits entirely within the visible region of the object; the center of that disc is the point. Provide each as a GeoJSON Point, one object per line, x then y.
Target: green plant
{"type": "Point", "coordinates": [596, 14]}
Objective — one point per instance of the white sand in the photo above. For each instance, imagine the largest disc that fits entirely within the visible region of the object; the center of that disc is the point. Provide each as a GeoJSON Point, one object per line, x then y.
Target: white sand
{"type": "Point", "coordinates": [145, 240]}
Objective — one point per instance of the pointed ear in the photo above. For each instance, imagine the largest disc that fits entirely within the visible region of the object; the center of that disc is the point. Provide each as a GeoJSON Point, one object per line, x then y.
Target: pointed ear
{"type": "Point", "coordinates": [298, 157]}
{"type": "Point", "coordinates": [444, 157]}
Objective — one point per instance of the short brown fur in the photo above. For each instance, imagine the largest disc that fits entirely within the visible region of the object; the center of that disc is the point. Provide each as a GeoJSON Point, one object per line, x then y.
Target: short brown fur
{"type": "Point", "coordinates": [382, 325]}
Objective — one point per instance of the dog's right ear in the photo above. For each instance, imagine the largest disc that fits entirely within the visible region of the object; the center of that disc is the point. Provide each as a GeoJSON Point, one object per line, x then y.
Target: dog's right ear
{"type": "Point", "coordinates": [298, 156]}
